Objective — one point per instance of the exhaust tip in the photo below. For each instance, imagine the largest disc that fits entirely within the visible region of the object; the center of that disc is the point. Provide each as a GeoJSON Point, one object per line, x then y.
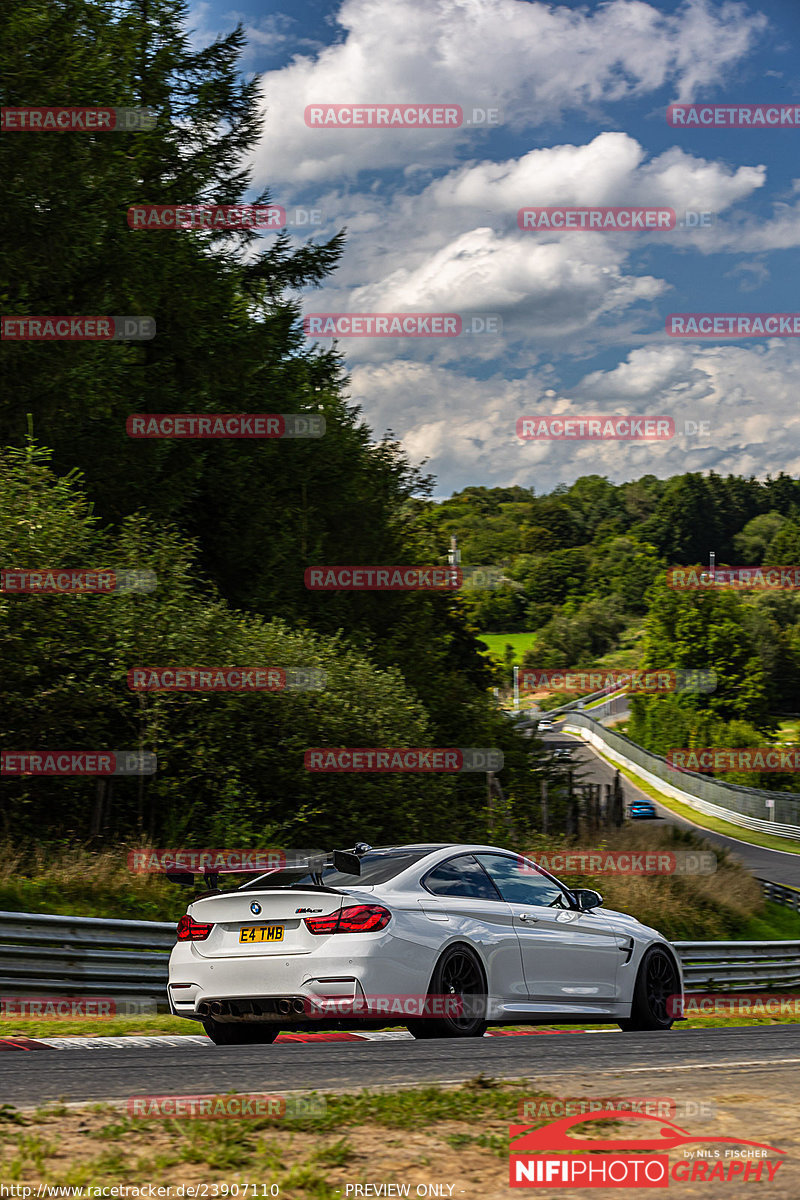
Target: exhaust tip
{"type": "Point", "coordinates": [298, 1006]}
{"type": "Point", "coordinates": [284, 1007]}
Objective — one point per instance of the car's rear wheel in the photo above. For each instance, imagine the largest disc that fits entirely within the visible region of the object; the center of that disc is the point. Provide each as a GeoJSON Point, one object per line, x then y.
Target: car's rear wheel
{"type": "Point", "coordinates": [457, 974]}
{"type": "Point", "coordinates": [656, 982]}
{"type": "Point", "coordinates": [240, 1033]}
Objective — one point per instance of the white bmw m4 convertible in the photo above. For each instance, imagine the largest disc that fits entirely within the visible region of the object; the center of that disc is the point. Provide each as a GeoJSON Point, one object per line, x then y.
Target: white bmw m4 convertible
{"type": "Point", "coordinates": [444, 939]}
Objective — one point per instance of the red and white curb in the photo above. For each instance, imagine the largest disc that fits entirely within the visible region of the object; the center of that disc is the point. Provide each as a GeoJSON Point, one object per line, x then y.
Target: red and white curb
{"type": "Point", "coordinates": [185, 1040]}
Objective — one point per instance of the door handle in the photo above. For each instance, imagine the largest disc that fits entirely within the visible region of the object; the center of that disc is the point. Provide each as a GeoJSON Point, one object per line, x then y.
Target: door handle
{"type": "Point", "coordinates": [528, 917]}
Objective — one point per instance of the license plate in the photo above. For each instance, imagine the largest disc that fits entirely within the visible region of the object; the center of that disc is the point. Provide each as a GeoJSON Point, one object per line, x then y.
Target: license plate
{"type": "Point", "coordinates": [262, 933]}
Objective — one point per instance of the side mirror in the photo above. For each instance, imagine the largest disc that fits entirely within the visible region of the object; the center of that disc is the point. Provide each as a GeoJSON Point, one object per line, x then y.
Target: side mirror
{"type": "Point", "coordinates": [586, 899]}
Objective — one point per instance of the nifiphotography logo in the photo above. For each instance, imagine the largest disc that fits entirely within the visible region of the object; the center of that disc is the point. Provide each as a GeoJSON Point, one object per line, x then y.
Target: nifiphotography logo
{"type": "Point", "coordinates": [547, 1156]}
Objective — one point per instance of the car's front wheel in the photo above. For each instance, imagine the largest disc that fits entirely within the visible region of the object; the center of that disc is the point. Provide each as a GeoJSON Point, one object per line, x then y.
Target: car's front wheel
{"type": "Point", "coordinates": [457, 977]}
{"type": "Point", "coordinates": [656, 983]}
{"type": "Point", "coordinates": [240, 1033]}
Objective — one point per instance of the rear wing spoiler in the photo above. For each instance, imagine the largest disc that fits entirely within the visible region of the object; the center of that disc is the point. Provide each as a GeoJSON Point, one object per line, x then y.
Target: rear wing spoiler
{"type": "Point", "coordinates": [347, 862]}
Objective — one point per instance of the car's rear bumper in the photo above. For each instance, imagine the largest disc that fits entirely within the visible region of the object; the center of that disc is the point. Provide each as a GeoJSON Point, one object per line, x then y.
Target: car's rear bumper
{"type": "Point", "coordinates": [254, 986]}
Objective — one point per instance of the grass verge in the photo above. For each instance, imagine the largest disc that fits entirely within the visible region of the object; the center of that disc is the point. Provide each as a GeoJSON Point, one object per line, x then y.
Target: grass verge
{"type": "Point", "coordinates": [54, 1027]}
{"type": "Point", "coordinates": [78, 882]}
{"type": "Point", "coordinates": [457, 1136]}
{"type": "Point", "coordinates": [171, 1026]}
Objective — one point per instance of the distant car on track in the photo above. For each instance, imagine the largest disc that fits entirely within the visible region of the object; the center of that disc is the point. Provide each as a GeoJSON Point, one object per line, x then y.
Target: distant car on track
{"type": "Point", "coordinates": [639, 809]}
{"type": "Point", "coordinates": [485, 930]}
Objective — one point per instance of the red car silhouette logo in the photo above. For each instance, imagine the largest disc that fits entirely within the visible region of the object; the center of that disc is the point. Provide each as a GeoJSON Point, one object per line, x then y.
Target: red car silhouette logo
{"type": "Point", "coordinates": [526, 1139]}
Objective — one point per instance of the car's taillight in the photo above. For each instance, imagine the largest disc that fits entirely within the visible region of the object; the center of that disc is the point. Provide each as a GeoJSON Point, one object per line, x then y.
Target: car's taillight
{"type": "Point", "coordinates": [190, 930]}
{"type": "Point", "coordinates": [360, 918]}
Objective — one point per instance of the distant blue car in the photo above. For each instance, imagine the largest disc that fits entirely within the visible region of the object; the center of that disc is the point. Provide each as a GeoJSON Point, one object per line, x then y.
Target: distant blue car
{"type": "Point", "coordinates": [641, 808]}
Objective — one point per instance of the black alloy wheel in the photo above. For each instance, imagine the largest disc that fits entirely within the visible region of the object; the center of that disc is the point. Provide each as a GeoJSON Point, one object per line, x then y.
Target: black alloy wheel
{"type": "Point", "coordinates": [458, 975]}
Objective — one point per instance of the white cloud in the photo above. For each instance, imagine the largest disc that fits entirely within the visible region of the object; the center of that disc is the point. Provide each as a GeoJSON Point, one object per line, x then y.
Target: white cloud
{"type": "Point", "coordinates": [533, 60]}
{"type": "Point", "coordinates": [553, 289]}
{"type": "Point", "coordinates": [466, 427]}
{"type": "Point", "coordinates": [611, 169]}
{"type": "Point", "coordinates": [435, 252]}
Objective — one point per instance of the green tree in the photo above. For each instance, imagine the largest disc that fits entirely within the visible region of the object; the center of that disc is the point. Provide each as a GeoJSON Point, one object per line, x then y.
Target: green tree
{"type": "Point", "coordinates": [784, 548]}
{"type": "Point", "coordinates": [227, 308]}
{"type": "Point", "coordinates": [625, 568]}
{"type": "Point", "coordinates": [684, 527]}
{"type": "Point", "coordinates": [751, 544]}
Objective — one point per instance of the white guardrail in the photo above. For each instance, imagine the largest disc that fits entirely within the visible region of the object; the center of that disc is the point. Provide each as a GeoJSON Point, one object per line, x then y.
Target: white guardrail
{"type": "Point", "coordinates": [728, 966]}
{"type": "Point", "coordinates": [46, 955]}
{"type": "Point", "coordinates": [653, 769]}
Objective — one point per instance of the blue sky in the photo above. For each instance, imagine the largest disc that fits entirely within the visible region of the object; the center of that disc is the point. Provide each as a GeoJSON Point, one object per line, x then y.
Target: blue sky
{"type": "Point", "coordinates": [431, 219]}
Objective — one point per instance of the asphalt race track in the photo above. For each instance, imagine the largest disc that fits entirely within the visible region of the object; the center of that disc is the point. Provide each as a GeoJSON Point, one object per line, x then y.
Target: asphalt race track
{"type": "Point", "coordinates": [777, 865]}
{"type": "Point", "coordinates": [28, 1079]}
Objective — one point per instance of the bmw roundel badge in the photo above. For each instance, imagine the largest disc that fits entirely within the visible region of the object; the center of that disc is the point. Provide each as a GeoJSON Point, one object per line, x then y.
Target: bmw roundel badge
{"type": "Point", "coordinates": [255, 909]}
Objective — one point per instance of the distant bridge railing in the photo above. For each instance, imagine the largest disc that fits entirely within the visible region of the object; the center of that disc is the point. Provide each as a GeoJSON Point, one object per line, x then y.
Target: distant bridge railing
{"type": "Point", "coordinates": [750, 808]}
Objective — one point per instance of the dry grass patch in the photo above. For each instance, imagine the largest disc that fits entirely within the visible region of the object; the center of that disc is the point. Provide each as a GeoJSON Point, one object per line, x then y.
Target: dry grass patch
{"type": "Point", "coordinates": [679, 906]}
